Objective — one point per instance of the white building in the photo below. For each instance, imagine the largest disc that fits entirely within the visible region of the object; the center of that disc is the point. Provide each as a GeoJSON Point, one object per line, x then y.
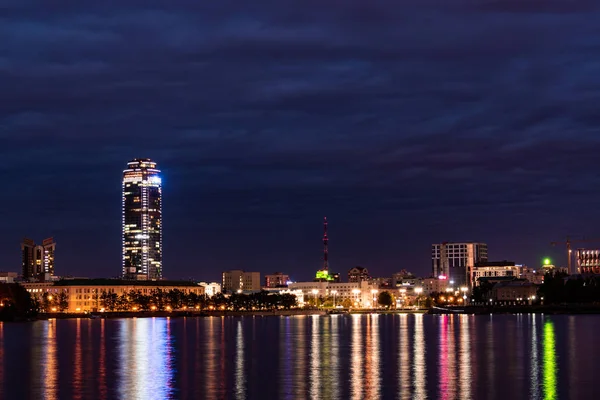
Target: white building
{"type": "Point", "coordinates": [364, 293]}
{"type": "Point", "coordinates": [494, 270]}
{"type": "Point", "coordinates": [210, 289]}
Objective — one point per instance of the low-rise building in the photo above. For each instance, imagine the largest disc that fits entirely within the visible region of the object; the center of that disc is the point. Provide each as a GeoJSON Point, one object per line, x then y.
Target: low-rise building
{"type": "Point", "coordinates": [210, 289]}
{"type": "Point", "coordinates": [276, 280]}
{"type": "Point", "coordinates": [363, 294]}
{"type": "Point", "coordinates": [238, 280]}
{"type": "Point", "coordinates": [84, 295]}
{"type": "Point", "coordinates": [532, 275]}
{"type": "Point", "coordinates": [433, 285]}
{"type": "Point", "coordinates": [514, 291]}
{"type": "Point", "coordinates": [358, 274]}
{"type": "Point", "coordinates": [494, 269]}
{"type": "Point", "coordinates": [8, 277]}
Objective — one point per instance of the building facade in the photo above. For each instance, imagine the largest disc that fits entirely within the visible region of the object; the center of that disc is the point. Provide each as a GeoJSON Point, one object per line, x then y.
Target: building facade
{"type": "Point", "coordinates": [240, 281]}
{"type": "Point", "coordinates": [494, 270]}
{"type": "Point", "coordinates": [514, 291]}
{"type": "Point", "coordinates": [37, 261]}
{"type": "Point", "coordinates": [588, 261]}
{"type": "Point", "coordinates": [532, 275]}
{"type": "Point", "coordinates": [455, 261]}
{"type": "Point", "coordinates": [358, 274]}
{"type": "Point", "coordinates": [84, 295]}
{"type": "Point", "coordinates": [362, 294]}
{"type": "Point", "coordinates": [142, 221]}
{"type": "Point", "coordinates": [210, 289]}
{"type": "Point", "coordinates": [8, 277]}
{"type": "Point", "coordinates": [278, 279]}
{"type": "Point", "coordinates": [433, 285]}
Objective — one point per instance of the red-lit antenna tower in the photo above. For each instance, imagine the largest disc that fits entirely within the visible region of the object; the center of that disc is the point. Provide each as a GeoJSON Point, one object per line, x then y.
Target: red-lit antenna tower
{"type": "Point", "coordinates": [325, 250]}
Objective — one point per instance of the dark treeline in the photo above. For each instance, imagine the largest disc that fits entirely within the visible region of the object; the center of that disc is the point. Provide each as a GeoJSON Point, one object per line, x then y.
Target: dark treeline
{"type": "Point", "coordinates": [175, 299]}
{"type": "Point", "coordinates": [558, 288]}
{"type": "Point", "coordinates": [15, 302]}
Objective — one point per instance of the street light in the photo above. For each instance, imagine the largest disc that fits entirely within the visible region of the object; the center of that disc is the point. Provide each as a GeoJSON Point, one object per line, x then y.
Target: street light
{"type": "Point", "coordinates": [334, 292]}
{"type": "Point", "coordinates": [355, 292]}
{"type": "Point", "coordinates": [418, 291]}
{"type": "Point", "coordinates": [374, 293]}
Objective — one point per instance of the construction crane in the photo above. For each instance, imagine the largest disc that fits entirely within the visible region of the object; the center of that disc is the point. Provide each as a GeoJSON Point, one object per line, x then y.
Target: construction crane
{"type": "Point", "coordinates": [568, 243]}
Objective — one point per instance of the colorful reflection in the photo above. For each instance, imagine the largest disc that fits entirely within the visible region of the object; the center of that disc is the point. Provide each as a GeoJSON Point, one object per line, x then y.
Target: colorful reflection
{"type": "Point", "coordinates": [77, 361]}
{"type": "Point", "coordinates": [315, 358]}
{"type": "Point", "coordinates": [404, 383]}
{"type": "Point", "coordinates": [465, 359]}
{"type": "Point", "coordinates": [356, 363]}
{"type": "Point", "coordinates": [419, 363]}
{"type": "Point", "coordinates": [334, 387]}
{"type": "Point", "coordinates": [447, 353]}
{"type": "Point", "coordinates": [102, 361]}
{"type": "Point", "coordinates": [550, 367]}
{"type": "Point", "coordinates": [372, 358]}
{"type": "Point", "coordinates": [146, 359]}
{"type": "Point", "coordinates": [50, 364]}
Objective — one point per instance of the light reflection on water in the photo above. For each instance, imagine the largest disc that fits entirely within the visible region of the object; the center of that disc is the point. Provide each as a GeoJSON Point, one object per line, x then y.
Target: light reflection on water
{"type": "Point", "coordinates": [145, 370]}
{"type": "Point", "coordinates": [465, 359]}
{"type": "Point", "coordinates": [535, 367]}
{"type": "Point", "coordinates": [549, 362]}
{"type": "Point", "coordinates": [419, 363]}
{"type": "Point", "coordinates": [333, 357]}
{"type": "Point", "coordinates": [315, 361]}
{"type": "Point", "coordinates": [404, 357]}
{"type": "Point", "coordinates": [356, 368]}
{"type": "Point", "coordinates": [240, 375]}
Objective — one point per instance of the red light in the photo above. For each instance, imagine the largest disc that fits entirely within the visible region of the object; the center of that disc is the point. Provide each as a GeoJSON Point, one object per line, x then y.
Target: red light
{"type": "Point", "coordinates": [442, 277]}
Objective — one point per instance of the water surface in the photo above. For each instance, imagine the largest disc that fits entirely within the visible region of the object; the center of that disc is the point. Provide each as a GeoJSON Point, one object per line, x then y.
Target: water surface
{"type": "Point", "coordinates": [316, 357]}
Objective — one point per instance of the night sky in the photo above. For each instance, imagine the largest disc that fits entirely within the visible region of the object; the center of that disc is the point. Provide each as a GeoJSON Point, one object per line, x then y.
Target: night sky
{"type": "Point", "coordinates": [405, 123]}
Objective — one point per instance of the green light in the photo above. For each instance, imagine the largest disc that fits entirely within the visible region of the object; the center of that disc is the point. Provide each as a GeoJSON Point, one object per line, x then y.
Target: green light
{"type": "Point", "coordinates": [549, 362]}
{"type": "Point", "coordinates": [322, 275]}
{"type": "Point", "coordinates": [547, 261]}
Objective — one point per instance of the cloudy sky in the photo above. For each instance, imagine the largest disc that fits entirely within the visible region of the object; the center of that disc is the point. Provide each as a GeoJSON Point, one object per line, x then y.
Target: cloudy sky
{"type": "Point", "coordinates": [406, 123]}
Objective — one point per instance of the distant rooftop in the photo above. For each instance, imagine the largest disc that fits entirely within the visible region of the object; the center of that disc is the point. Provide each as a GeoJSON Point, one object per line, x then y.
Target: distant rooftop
{"type": "Point", "coordinates": [120, 282]}
{"type": "Point", "coordinates": [496, 264]}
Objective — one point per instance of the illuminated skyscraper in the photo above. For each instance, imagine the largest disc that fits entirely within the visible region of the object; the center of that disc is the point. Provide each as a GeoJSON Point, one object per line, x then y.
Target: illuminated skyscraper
{"type": "Point", "coordinates": [37, 261]}
{"type": "Point", "coordinates": [142, 220]}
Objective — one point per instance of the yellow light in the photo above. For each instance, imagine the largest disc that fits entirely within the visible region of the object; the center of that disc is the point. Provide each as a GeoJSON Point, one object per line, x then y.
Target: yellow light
{"type": "Point", "coordinates": [197, 307]}
{"type": "Point", "coordinates": [134, 308]}
{"type": "Point", "coordinates": [153, 308]}
{"type": "Point", "coordinates": [50, 297]}
{"type": "Point", "coordinates": [168, 308]}
{"type": "Point", "coordinates": [78, 309]}
{"type": "Point", "coordinates": [53, 308]}
{"type": "Point", "coordinates": [102, 310]}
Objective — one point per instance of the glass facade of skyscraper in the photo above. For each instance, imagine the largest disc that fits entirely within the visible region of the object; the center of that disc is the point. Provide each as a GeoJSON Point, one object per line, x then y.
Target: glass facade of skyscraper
{"type": "Point", "coordinates": [142, 220]}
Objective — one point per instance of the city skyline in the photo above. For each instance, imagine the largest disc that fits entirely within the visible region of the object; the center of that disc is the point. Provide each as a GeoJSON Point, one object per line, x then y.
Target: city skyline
{"type": "Point", "coordinates": [263, 121]}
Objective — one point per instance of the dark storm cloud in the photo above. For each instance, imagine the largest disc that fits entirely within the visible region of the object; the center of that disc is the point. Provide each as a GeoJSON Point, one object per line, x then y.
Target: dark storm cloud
{"type": "Point", "coordinates": [421, 121]}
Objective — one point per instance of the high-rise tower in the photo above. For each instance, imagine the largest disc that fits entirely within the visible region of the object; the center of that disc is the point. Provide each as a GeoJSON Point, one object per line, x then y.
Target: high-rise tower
{"type": "Point", "coordinates": [325, 249]}
{"type": "Point", "coordinates": [142, 220]}
{"type": "Point", "coordinates": [324, 275]}
{"type": "Point", "coordinates": [37, 260]}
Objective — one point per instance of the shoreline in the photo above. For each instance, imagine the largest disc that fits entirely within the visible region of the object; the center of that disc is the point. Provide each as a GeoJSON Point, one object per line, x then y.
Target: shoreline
{"type": "Point", "coordinates": [471, 310]}
{"type": "Point", "coordinates": [566, 309]}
